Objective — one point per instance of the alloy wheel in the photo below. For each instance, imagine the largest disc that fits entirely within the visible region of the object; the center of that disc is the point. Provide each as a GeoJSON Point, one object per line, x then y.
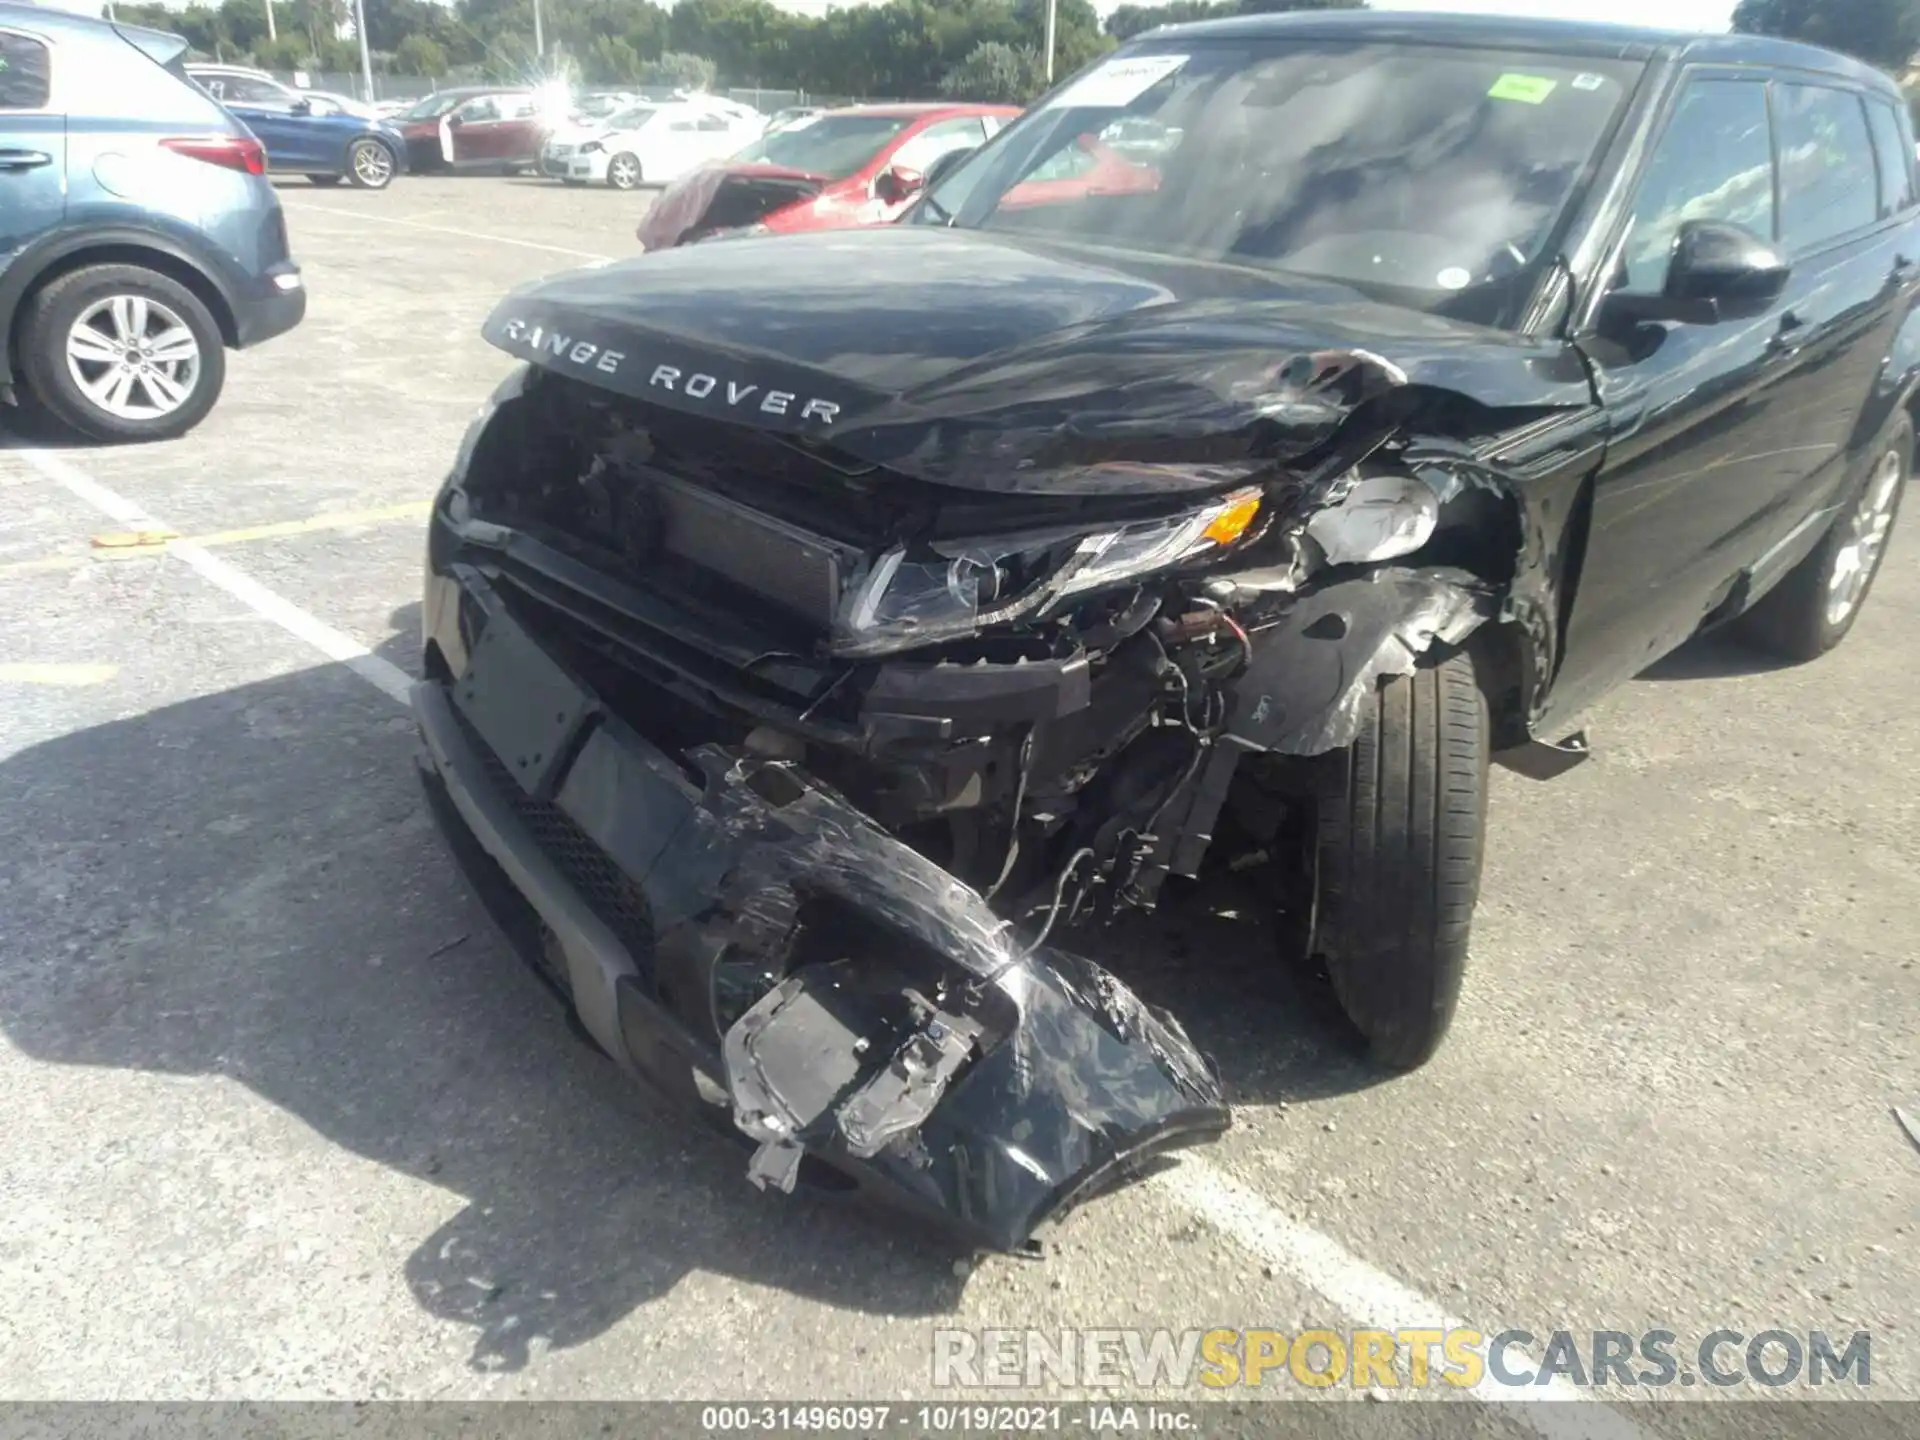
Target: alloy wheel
{"type": "Point", "coordinates": [624, 172]}
{"type": "Point", "coordinates": [372, 165]}
{"type": "Point", "coordinates": [1864, 538]}
{"type": "Point", "coordinates": [133, 357]}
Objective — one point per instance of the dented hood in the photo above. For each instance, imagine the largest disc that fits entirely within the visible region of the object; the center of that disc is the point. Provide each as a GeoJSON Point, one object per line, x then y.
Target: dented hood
{"type": "Point", "coordinates": [981, 361]}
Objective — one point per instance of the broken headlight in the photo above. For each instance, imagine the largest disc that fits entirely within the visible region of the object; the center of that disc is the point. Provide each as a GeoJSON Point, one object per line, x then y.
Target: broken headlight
{"type": "Point", "coordinates": [951, 589]}
{"type": "Point", "coordinates": [1380, 517]}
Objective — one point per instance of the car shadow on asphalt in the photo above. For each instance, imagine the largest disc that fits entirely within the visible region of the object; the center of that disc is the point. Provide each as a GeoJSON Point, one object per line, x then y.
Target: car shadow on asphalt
{"type": "Point", "coordinates": [247, 884]}
{"type": "Point", "coordinates": [1714, 656]}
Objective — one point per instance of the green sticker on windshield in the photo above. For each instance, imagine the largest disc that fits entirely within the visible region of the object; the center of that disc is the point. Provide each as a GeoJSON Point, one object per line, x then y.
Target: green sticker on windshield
{"type": "Point", "coordinates": [1528, 89]}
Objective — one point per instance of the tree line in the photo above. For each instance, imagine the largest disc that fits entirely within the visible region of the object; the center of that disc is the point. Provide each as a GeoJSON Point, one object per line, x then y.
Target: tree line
{"type": "Point", "coordinates": [986, 50]}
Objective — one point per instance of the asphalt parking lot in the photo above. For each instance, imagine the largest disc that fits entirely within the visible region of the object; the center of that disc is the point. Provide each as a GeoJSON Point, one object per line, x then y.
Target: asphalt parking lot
{"type": "Point", "coordinates": [285, 1119]}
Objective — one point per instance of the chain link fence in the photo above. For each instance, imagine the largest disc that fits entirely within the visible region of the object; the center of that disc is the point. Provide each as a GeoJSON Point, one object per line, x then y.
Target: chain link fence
{"type": "Point", "coordinates": [417, 87]}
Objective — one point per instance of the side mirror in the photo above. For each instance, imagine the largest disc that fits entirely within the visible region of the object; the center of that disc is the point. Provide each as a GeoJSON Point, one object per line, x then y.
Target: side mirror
{"type": "Point", "coordinates": [1718, 272]}
{"type": "Point", "coordinates": [303, 106]}
{"type": "Point", "coordinates": [897, 183]}
{"type": "Point", "coordinates": [942, 167]}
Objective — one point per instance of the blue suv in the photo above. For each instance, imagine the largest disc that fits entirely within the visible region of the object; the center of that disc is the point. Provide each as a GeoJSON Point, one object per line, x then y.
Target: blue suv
{"type": "Point", "coordinates": [139, 237]}
{"type": "Point", "coordinates": [309, 135]}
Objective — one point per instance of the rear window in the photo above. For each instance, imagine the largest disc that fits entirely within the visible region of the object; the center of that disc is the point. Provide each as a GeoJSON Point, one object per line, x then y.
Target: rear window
{"type": "Point", "coordinates": [1829, 181]}
{"type": "Point", "coordinates": [25, 72]}
{"type": "Point", "coordinates": [1895, 154]}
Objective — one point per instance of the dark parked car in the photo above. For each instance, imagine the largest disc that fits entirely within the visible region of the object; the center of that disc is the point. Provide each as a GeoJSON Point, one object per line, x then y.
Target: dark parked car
{"type": "Point", "coordinates": [139, 237]}
{"type": "Point", "coordinates": [306, 134]}
{"type": "Point", "coordinates": [828, 171]}
{"type": "Point", "coordinates": [813, 646]}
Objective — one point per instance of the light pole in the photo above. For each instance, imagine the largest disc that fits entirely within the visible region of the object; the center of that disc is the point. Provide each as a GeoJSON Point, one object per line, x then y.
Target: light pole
{"type": "Point", "coordinates": [366, 55]}
{"type": "Point", "coordinates": [272, 33]}
{"type": "Point", "coordinates": [539, 37]}
{"type": "Point", "coordinates": [1051, 6]}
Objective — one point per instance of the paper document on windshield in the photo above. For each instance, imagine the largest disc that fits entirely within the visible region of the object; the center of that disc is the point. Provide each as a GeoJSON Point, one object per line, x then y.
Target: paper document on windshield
{"type": "Point", "coordinates": [1118, 82]}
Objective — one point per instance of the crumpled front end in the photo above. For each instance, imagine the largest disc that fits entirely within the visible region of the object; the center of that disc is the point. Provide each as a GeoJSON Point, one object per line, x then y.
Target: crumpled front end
{"type": "Point", "coordinates": [733, 930]}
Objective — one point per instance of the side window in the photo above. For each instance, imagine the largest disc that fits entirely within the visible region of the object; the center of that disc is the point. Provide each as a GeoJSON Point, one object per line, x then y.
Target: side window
{"type": "Point", "coordinates": [937, 139]}
{"type": "Point", "coordinates": [1714, 161]}
{"type": "Point", "coordinates": [244, 90]}
{"type": "Point", "coordinates": [25, 73]}
{"type": "Point", "coordinates": [713, 122]}
{"type": "Point", "coordinates": [1895, 156]}
{"type": "Point", "coordinates": [1829, 183]}
{"type": "Point", "coordinates": [475, 110]}
{"type": "Point", "coordinates": [520, 107]}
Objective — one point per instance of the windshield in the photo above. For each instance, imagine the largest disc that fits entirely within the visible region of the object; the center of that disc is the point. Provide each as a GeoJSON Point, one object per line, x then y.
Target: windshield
{"type": "Point", "coordinates": [831, 145]}
{"type": "Point", "coordinates": [1419, 175]}
{"type": "Point", "coordinates": [632, 119]}
{"type": "Point", "coordinates": [432, 108]}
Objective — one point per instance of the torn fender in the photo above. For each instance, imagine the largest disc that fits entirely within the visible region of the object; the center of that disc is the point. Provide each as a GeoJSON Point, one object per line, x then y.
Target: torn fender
{"type": "Point", "coordinates": [1316, 669]}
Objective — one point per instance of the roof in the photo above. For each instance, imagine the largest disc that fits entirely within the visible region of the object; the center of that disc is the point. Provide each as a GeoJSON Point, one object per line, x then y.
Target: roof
{"type": "Point", "coordinates": [1581, 37]}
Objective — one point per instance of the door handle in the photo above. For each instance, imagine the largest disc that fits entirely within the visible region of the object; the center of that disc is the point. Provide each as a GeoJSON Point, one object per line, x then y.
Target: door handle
{"type": "Point", "coordinates": [23, 159]}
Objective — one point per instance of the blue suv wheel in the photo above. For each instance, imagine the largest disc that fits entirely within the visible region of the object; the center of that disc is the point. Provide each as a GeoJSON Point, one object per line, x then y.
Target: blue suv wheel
{"type": "Point", "coordinates": [119, 352]}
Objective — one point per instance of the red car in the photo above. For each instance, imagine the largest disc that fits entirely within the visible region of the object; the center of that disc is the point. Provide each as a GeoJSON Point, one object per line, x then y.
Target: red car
{"type": "Point", "coordinates": [474, 128]}
{"type": "Point", "coordinates": [830, 171]}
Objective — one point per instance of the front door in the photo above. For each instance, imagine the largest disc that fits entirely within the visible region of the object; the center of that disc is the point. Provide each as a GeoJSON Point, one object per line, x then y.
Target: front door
{"type": "Point", "coordinates": [1727, 441]}
{"type": "Point", "coordinates": [1697, 439]}
{"type": "Point", "coordinates": [33, 144]}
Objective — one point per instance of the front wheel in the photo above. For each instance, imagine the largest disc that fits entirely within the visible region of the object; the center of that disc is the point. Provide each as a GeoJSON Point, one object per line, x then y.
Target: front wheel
{"type": "Point", "coordinates": [370, 165]}
{"type": "Point", "coordinates": [1399, 836]}
{"type": "Point", "coordinates": [1810, 611]}
{"type": "Point", "coordinates": [121, 353]}
{"type": "Point", "coordinates": [623, 171]}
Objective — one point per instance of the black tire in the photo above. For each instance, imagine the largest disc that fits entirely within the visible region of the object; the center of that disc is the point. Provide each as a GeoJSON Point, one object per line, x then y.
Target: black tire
{"type": "Point", "coordinates": [325, 181]}
{"type": "Point", "coordinates": [1793, 620]}
{"type": "Point", "coordinates": [614, 170]}
{"type": "Point", "coordinates": [365, 167]}
{"type": "Point", "coordinates": [1399, 837]}
{"type": "Point", "coordinates": [48, 318]}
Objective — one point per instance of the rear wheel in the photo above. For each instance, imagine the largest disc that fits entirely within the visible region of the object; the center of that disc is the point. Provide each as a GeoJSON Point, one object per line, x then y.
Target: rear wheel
{"type": "Point", "coordinates": [623, 171]}
{"type": "Point", "coordinates": [370, 165]}
{"type": "Point", "coordinates": [1812, 609]}
{"type": "Point", "coordinates": [120, 353]}
{"type": "Point", "coordinates": [1399, 835]}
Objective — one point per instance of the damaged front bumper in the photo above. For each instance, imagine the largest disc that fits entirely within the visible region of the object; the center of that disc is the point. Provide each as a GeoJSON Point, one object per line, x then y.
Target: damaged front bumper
{"type": "Point", "coordinates": [748, 941]}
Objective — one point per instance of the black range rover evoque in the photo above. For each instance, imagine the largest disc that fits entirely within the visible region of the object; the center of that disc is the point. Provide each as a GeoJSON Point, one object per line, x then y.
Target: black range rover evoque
{"type": "Point", "coordinates": [824, 631]}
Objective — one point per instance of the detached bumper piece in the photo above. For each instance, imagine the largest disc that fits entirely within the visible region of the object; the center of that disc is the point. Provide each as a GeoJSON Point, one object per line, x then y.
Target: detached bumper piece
{"type": "Point", "coordinates": [746, 940]}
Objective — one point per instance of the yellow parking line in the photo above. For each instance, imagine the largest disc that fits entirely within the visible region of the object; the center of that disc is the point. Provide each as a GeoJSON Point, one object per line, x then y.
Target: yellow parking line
{"type": "Point", "coordinates": [126, 547]}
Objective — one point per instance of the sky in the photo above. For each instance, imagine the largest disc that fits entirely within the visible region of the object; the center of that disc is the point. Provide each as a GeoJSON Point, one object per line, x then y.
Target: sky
{"type": "Point", "coordinates": [1676, 14]}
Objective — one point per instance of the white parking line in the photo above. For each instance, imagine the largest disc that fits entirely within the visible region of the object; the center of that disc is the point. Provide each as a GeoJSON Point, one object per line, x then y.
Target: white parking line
{"type": "Point", "coordinates": [383, 675]}
{"type": "Point", "coordinates": [1374, 1300]}
{"type": "Point", "coordinates": [1369, 1297]}
{"type": "Point", "coordinates": [447, 230]}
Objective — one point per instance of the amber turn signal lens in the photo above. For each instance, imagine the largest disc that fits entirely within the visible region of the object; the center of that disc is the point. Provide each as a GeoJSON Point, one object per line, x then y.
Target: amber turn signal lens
{"type": "Point", "coordinates": [1233, 522]}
